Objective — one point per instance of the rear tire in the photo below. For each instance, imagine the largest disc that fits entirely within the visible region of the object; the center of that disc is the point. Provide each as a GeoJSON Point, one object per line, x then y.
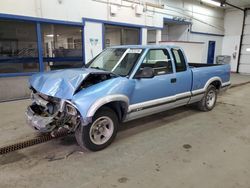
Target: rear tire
{"type": "Point", "coordinates": [208, 102]}
{"type": "Point", "coordinates": [100, 133]}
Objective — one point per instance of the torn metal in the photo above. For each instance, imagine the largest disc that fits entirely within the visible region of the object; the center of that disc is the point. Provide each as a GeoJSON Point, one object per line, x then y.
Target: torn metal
{"type": "Point", "coordinates": [48, 113]}
{"type": "Point", "coordinates": [51, 107]}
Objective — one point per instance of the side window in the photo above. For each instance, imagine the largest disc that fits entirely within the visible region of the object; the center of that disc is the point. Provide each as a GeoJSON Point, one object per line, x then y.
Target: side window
{"type": "Point", "coordinates": [179, 60]}
{"type": "Point", "coordinates": [159, 60]}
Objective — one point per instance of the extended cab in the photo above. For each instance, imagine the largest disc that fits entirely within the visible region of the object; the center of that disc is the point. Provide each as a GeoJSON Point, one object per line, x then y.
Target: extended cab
{"type": "Point", "coordinates": [120, 84]}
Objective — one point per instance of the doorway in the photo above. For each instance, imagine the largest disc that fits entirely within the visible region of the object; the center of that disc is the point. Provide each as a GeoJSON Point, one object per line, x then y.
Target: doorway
{"type": "Point", "coordinates": [210, 53]}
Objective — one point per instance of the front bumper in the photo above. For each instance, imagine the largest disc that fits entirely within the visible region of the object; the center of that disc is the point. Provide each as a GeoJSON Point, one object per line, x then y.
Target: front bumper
{"type": "Point", "coordinates": [42, 124]}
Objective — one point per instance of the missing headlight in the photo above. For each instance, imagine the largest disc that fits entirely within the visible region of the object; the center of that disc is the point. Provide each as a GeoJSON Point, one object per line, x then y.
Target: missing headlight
{"type": "Point", "coordinates": [71, 110]}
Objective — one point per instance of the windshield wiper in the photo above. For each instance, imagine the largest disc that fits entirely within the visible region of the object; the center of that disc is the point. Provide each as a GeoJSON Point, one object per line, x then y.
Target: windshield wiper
{"type": "Point", "coordinates": [98, 68]}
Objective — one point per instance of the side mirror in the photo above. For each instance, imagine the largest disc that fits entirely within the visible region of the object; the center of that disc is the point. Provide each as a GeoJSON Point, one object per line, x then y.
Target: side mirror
{"type": "Point", "coordinates": [146, 72]}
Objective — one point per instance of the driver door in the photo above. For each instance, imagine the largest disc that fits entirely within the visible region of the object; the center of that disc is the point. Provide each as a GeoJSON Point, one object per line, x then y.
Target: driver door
{"type": "Point", "coordinates": [152, 95]}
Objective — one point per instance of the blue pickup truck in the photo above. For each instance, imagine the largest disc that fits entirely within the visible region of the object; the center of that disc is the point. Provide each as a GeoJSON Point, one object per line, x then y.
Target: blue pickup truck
{"type": "Point", "coordinates": [121, 84]}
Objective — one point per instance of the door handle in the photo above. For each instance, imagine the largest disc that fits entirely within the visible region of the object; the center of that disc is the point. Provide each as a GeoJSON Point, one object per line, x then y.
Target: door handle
{"type": "Point", "coordinates": [173, 80]}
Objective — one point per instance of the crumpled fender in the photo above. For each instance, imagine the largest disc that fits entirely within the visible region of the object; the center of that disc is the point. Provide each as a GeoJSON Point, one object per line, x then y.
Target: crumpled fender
{"type": "Point", "coordinates": [61, 83]}
{"type": "Point", "coordinates": [90, 99]}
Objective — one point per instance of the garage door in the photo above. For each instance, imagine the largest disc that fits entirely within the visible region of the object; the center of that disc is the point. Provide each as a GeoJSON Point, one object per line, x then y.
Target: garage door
{"type": "Point", "coordinates": [245, 48]}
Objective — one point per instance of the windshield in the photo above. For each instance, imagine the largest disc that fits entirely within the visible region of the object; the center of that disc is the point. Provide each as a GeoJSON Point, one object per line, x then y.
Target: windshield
{"type": "Point", "coordinates": [117, 60]}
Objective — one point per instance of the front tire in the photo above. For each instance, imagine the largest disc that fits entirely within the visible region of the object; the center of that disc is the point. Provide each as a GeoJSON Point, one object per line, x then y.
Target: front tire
{"type": "Point", "coordinates": [209, 100]}
{"type": "Point", "coordinates": [100, 133]}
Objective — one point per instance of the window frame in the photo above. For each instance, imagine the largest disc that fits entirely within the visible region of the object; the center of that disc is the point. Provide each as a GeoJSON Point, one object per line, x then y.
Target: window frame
{"type": "Point", "coordinates": [146, 53]}
{"type": "Point", "coordinates": [58, 59]}
{"type": "Point", "coordinates": [21, 60]}
{"type": "Point", "coordinates": [38, 22]}
{"type": "Point", "coordinates": [122, 29]}
{"type": "Point", "coordinates": [174, 58]}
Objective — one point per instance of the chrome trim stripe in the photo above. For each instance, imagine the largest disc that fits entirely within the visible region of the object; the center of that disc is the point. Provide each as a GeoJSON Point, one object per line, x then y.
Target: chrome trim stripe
{"type": "Point", "coordinates": [196, 98]}
{"type": "Point", "coordinates": [105, 100]}
{"type": "Point", "coordinates": [225, 84]}
{"type": "Point", "coordinates": [158, 102]}
{"type": "Point", "coordinates": [150, 103]}
{"type": "Point", "coordinates": [183, 95]}
{"type": "Point", "coordinates": [198, 91]}
{"type": "Point", "coordinates": [148, 111]}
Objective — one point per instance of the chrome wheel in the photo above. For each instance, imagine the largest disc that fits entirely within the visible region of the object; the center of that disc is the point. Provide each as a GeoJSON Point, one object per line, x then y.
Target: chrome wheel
{"type": "Point", "coordinates": [101, 130]}
{"type": "Point", "coordinates": [210, 99]}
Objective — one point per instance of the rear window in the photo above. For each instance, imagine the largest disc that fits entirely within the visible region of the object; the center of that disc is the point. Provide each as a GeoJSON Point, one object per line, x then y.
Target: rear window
{"type": "Point", "coordinates": [179, 60]}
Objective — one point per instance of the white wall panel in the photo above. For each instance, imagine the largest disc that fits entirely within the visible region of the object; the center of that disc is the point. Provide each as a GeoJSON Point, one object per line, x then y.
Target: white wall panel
{"type": "Point", "coordinates": [247, 30]}
{"type": "Point", "coordinates": [233, 22]}
{"type": "Point", "coordinates": [144, 36]}
{"type": "Point", "coordinates": [245, 59]}
{"type": "Point", "coordinates": [245, 49]}
{"type": "Point", "coordinates": [93, 31]}
{"type": "Point", "coordinates": [246, 39]}
{"type": "Point", "coordinates": [206, 39]}
{"type": "Point", "coordinates": [231, 41]}
{"type": "Point", "coordinates": [193, 51]}
{"type": "Point", "coordinates": [178, 32]}
{"type": "Point", "coordinates": [247, 20]}
{"type": "Point", "coordinates": [230, 46]}
{"type": "Point", "coordinates": [24, 7]}
{"type": "Point", "coordinates": [244, 66]}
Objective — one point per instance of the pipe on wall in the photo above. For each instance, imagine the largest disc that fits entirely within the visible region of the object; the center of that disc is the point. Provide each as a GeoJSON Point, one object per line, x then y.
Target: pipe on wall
{"type": "Point", "coordinates": [241, 38]}
{"type": "Point", "coordinates": [179, 11]}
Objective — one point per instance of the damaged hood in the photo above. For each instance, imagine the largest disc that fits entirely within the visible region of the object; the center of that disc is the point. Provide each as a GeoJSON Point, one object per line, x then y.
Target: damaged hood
{"type": "Point", "coordinates": [61, 83]}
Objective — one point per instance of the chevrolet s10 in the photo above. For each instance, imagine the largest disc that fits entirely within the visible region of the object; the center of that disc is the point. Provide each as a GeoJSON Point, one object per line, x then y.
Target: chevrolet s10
{"type": "Point", "coordinates": [121, 84]}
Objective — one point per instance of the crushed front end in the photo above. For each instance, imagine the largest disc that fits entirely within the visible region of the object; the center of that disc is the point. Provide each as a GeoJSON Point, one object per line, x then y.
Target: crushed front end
{"type": "Point", "coordinates": [48, 114]}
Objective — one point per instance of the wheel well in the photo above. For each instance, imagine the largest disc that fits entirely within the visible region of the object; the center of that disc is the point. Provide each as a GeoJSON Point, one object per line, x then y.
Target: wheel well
{"type": "Point", "coordinates": [216, 84]}
{"type": "Point", "coordinates": [119, 107]}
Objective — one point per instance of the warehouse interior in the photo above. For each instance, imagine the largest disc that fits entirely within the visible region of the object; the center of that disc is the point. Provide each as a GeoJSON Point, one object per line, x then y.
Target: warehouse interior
{"type": "Point", "coordinates": [180, 147]}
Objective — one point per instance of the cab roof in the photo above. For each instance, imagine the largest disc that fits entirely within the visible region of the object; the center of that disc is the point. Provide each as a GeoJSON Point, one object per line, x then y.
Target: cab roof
{"type": "Point", "coordinates": [146, 46]}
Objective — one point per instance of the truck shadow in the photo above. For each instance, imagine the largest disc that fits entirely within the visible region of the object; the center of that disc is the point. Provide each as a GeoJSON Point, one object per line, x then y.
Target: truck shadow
{"type": "Point", "coordinates": [154, 121]}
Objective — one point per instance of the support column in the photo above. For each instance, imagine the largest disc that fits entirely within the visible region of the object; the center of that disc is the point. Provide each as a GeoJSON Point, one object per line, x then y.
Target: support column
{"type": "Point", "coordinates": [39, 46]}
{"type": "Point", "coordinates": [158, 36]}
{"type": "Point", "coordinates": [143, 36]}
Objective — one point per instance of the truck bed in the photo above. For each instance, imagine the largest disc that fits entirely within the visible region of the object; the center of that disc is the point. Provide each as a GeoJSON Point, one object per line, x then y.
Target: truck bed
{"type": "Point", "coordinates": [203, 72]}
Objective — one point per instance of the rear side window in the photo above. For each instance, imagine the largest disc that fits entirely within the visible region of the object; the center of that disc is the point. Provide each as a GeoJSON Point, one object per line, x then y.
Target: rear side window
{"type": "Point", "coordinates": [159, 60]}
{"type": "Point", "coordinates": [179, 60]}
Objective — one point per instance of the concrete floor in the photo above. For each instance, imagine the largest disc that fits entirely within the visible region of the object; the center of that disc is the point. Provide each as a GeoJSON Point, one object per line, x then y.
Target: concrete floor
{"type": "Point", "coordinates": [239, 78]}
{"type": "Point", "coordinates": [177, 148]}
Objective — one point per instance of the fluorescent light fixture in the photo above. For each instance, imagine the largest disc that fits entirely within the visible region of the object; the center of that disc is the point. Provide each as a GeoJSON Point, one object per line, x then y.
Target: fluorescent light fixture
{"type": "Point", "coordinates": [50, 35]}
{"type": "Point", "coordinates": [211, 2]}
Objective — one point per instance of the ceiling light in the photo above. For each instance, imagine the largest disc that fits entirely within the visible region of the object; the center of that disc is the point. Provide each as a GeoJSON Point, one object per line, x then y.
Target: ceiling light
{"type": "Point", "coordinates": [211, 2]}
{"type": "Point", "coordinates": [50, 35]}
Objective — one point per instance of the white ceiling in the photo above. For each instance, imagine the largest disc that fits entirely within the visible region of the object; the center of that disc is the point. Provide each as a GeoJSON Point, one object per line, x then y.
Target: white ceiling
{"type": "Point", "coordinates": [240, 3]}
